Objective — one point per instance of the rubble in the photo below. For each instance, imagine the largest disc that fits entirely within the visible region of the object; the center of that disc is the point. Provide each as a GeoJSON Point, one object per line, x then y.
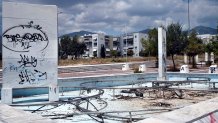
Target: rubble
{"type": "Point", "coordinates": [161, 104]}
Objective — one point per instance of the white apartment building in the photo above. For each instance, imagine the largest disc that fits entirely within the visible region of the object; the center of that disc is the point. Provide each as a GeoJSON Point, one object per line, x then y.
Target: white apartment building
{"type": "Point", "coordinates": [116, 45]}
{"type": "Point", "coordinates": [132, 41]}
{"type": "Point", "coordinates": [108, 44]}
{"type": "Point", "coordinates": [94, 42]}
{"type": "Point", "coordinates": [206, 37]}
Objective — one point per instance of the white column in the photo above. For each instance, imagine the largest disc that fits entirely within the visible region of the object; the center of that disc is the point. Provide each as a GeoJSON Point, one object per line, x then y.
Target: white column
{"type": "Point", "coordinates": [161, 54]}
{"type": "Point", "coordinates": [53, 93]}
{"type": "Point", "coordinates": [6, 96]}
{"type": "Point", "coordinates": [196, 59]}
{"type": "Point", "coordinates": [212, 57]}
{"type": "Point", "coordinates": [206, 56]}
{"type": "Point", "coordinates": [19, 19]}
{"type": "Point", "coordinates": [185, 58]}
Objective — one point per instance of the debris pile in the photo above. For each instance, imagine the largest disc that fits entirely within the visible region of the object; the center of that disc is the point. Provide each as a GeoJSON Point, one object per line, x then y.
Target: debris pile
{"type": "Point", "coordinates": [161, 104]}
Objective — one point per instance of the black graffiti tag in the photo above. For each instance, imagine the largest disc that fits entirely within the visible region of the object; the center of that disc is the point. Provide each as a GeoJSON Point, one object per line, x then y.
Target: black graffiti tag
{"type": "Point", "coordinates": [27, 61]}
{"type": "Point", "coordinates": [31, 77]}
{"type": "Point", "coordinates": [27, 36]}
{"type": "Point", "coordinates": [25, 40]}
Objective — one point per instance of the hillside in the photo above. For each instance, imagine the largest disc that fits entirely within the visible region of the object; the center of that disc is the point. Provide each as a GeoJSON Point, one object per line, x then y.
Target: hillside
{"type": "Point", "coordinates": [204, 30]}
{"type": "Point", "coordinates": [199, 29]}
{"type": "Point", "coordinates": [80, 33]}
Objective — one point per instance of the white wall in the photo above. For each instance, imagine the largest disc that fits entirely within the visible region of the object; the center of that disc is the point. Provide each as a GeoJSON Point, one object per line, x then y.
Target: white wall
{"type": "Point", "coordinates": [137, 43]}
{"type": "Point", "coordinates": [29, 45]}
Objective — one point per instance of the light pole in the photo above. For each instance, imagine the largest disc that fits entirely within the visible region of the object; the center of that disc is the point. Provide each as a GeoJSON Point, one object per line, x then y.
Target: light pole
{"type": "Point", "coordinates": [126, 43]}
{"type": "Point", "coordinates": [188, 18]}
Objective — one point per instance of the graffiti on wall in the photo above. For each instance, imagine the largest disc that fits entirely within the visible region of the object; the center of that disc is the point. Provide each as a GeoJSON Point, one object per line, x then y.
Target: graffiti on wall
{"type": "Point", "coordinates": [22, 42]}
{"type": "Point", "coordinates": [22, 38]}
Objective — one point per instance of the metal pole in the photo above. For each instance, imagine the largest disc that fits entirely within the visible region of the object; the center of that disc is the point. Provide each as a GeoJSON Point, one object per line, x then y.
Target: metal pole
{"type": "Point", "coordinates": [126, 43]}
{"type": "Point", "coordinates": [188, 18]}
{"type": "Point", "coordinates": [130, 114]}
{"type": "Point", "coordinates": [87, 106]}
{"type": "Point", "coordinates": [62, 92]}
{"type": "Point", "coordinates": [113, 94]}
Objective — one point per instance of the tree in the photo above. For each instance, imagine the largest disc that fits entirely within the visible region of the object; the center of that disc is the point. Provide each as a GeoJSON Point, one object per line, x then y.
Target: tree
{"type": "Point", "coordinates": [81, 48]}
{"type": "Point", "coordinates": [103, 51]}
{"type": "Point", "coordinates": [72, 46]}
{"type": "Point", "coordinates": [77, 47]}
{"type": "Point", "coordinates": [195, 46]}
{"type": "Point", "coordinates": [65, 47]}
{"type": "Point", "coordinates": [212, 46]}
{"type": "Point", "coordinates": [216, 38]}
{"type": "Point", "coordinates": [209, 48]}
{"type": "Point", "coordinates": [95, 53]}
{"type": "Point", "coordinates": [215, 44]}
{"type": "Point", "coordinates": [130, 53]}
{"type": "Point", "coordinates": [176, 40]}
{"type": "Point", "coordinates": [151, 44]}
{"type": "Point", "coordinates": [142, 53]}
{"type": "Point", "coordinates": [114, 53]}
{"type": "Point", "coordinates": [60, 51]}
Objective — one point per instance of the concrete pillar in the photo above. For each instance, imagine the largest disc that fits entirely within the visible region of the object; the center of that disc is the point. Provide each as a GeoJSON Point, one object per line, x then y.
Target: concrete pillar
{"type": "Point", "coordinates": [6, 96]}
{"type": "Point", "coordinates": [212, 57]}
{"type": "Point", "coordinates": [161, 54]}
{"type": "Point", "coordinates": [196, 59]}
{"type": "Point", "coordinates": [206, 56]}
{"type": "Point", "coordinates": [184, 69]}
{"type": "Point", "coordinates": [53, 93]}
{"type": "Point", "coordinates": [213, 69]}
{"type": "Point", "coordinates": [125, 67]}
{"type": "Point", "coordinates": [142, 68]}
{"type": "Point", "coordinates": [185, 59]}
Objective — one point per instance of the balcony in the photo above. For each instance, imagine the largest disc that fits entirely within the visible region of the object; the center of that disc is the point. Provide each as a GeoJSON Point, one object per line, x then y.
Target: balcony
{"type": "Point", "coordinates": [115, 40]}
{"type": "Point", "coordinates": [128, 45]}
{"type": "Point", "coordinates": [115, 48]}
{"type": "Point", "coordinates": [128, 37]}
{"type": "Point", "coordinates": [95, 44]}
{"type": "Point", "coordinates": [107, 37]}
{"type": "Point", "coordinates": [95, 39]}
{"type": "Point", "coordinates": [88, 44]}
{"type": "Point", "coordinates": [87, 40]}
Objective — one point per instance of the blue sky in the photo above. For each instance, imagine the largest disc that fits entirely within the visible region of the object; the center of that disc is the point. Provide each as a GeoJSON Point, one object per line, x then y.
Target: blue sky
{"type": "Point", "coordinates": [111, 16]}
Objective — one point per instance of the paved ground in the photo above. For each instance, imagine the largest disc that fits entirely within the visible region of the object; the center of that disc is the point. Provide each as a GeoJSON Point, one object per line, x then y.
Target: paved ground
{"type": "Point", "coordinates": [19, 116]}
{"type": "Point", "coordinates": [119, 71]}
{"type": "Point", "coordinates": [115, 69]}
{"type": "Point", "coordinates": [94, 73]}
{"type": "Point", "coordinates": [9, 114]}
{"type": "Point", "coordinates": [188, 114]}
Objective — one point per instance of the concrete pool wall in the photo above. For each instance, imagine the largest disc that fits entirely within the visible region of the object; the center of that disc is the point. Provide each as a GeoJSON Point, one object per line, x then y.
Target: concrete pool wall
{"type": "Point", "coordinates": [70, 83]}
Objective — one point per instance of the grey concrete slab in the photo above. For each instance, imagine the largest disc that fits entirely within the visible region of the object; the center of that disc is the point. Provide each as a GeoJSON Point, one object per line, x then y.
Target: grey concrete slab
{"type": "Point", "coordinates": [186, 114]}
{"type": "Point", "coordinates": [9, 114]}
